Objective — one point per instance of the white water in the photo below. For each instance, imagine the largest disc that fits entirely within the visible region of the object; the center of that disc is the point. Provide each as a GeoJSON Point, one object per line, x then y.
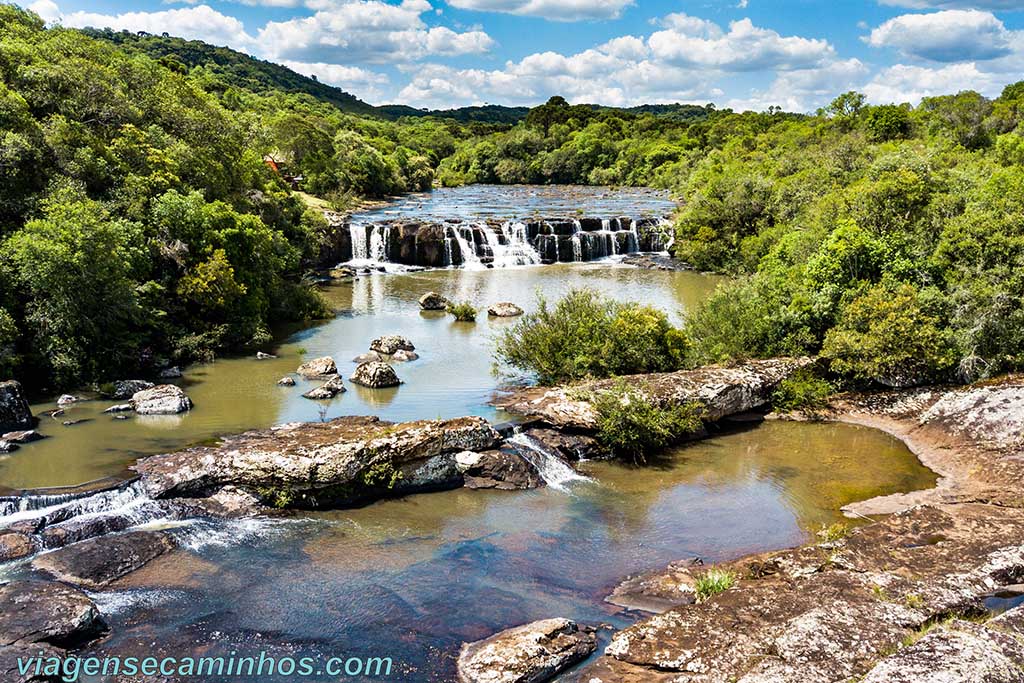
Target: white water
{"type": "Point", "coordinates": [64, 507]}
{"type": "Point", "coordinates": [470, 261]}
{"type": "Point", "coordinates": [516, 251]}
{"type": "Point", "coordinates": [552, 469]}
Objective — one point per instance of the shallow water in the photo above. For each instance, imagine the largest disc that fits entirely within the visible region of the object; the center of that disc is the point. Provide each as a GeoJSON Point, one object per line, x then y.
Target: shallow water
{"type": "Point", "coordinates": [453, 377]}
{"type": "Point", "coordinates": [412, 578]}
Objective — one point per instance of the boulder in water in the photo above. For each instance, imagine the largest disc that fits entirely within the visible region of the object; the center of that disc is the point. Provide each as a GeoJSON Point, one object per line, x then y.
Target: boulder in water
{"type": "Point", "coordinates": [98, 562]}
{"type": "Point", "coordinates": [46, 612]}
{"type": "Point", "coordinates": [15, 545]}
{"type": "Point", "coordinates": [67, 399]}
{"type": "Point", "coordinates": [432, 301]}
{"type": "Point", "coordinates": [326, 391]}
{"type": "Point", "coordinates": [375, 375]}
{"type": "Point", "coordinates": [7, 446]}
{"type": "Point", "coordinates": [497, 469]}
{"type": "Point", "coordinates": [25, 436]}
{"type": "Point", "coordinates": [120, 408]}
{"type": "Point", "coordinates": [260, 355]}
{"type": "Point", "coordinates": [369, 357]}
{"type": "Point", "coordinates": [318, 367]}
{"type": "Point", "coordinates": [403, 356]}
{"type": "Point", "coordinates": [533, 653]}
{"type": "Point", "coordinates": [504, 309]}
{"type": "Point", "coordinates": [165, 399]}
{"type": "Point", "coordinates": [286, 382]}
{"type": "Point", "coordinates": [170, 373]}
{"type": "Point", "coordinates": [390, 343]}
{"type": "Point", "coordinates": [126, 388]}
{"type": "Point", "coordinates": [14, 410]}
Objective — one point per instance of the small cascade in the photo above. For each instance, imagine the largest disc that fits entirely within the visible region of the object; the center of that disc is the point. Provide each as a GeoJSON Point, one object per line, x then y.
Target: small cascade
{"type": "Point", "coordinates": [552, 469]}
{"type": "Point", "coordinates": [125, 500]}
{"type": "Point", "coordinates": [517, 250]}
{"type": "Point", "coordinates": [633, 241]}
{"type": "Point", "coordinates": [357, 233]}
{"type": "Point", "coordinates": [379, 243]}
{"type": "Point", "coordinates": [470, 260]}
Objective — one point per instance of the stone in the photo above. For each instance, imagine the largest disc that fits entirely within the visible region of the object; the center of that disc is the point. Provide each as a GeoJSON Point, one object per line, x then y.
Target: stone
{"type": "Point", "coordinates": [390, 343]}
{"type": "Point", "coordinates": [326, 391]}
{"type": "Point", "coordinates": [369, 357]}
{"type": "Point", "coordinates": [568, 446]}
{"type": "Point", "coordinates": [170, 373]}
{"type": "Point", "coordinates": [46, 612]}
{"type": "Point", "coordinates": [432, 301]}
{"type": "Point", "coordinates": [126, 388]}
{"type": "Point", "coordinates": [286, 382]}
{"type": "Point", "coordinates": [14, 546]}
{"type": "Point", "coordinates": [318, 367]}
{"type": "Point", "coordinates": [504, 309]}
{"type": "Point", "coordinates": [97, 562]}
{"type": "Point", "coordinates": [497, 469]}
{"type": "Point", "coordinates": [13, 657]}
{"type": "Point", "coordinates": [659, 591]}
{"type": "Point", "coordinates": [403, 356]}
{"type": "Point", "coordinates": [121, 407]}
{"type": "Point", "coordinates": [533, 653]}
{"type": "Point", "coordinates": [25, 436]}
{"type": "Point", "coordinates": [342, 273]}
{"type": "Point", "coordinates": [14, 410]}
{"type": "Point", "coordinates": [8, 446]}
{"type": "Point", "coordinates": [165, 399]}
{"type": "Point", "coordinates": [375, 375]}
{"type": "Point", "coordinates": [319, 464]}
{"type": "Point", "coordinates": [67, 399]}
{"type": "Point", "coordinates": [260, 355]}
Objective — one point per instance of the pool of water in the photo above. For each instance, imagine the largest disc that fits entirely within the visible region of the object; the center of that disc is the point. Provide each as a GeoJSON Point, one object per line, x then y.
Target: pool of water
{"type": "Point", "coordinates": [415, 577]}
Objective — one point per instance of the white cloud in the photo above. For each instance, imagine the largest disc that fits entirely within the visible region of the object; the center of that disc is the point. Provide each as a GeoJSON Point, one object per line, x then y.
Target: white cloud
{"type": "Point", "coordinates": [367, 31]}
{"type": "Point", "coordinates": [955, 4]}
{"type": "Point", "coordinates": [46, 9]}
{"type": "Point", "coordinates": [947, 36]}
{"type": "Point", "coordinates": [909, 83]}
{"type": "Point", "coordinates": [805, 89]}
{"type": "Point", "coordinates": [195, 23]}
{"type": "Point", "coordinates": [363, 83]}
{"type": "Point", "coordinates": [556, 10]}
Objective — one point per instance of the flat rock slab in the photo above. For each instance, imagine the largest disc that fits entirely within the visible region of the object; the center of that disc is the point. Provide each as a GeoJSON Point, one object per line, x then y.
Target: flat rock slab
{"type": "Point", "coordinates": [722, 390]}
{"type": "Point", "coordinates": [14, 546]}
{"type": "Point", "coordinates": [97, 562]}
{"type": "Point", "coordinates": [532, 653]}
{"type": "Point", "coordinates": [13, 656]}
{"type": "Point", "coordinates": [46, 612]}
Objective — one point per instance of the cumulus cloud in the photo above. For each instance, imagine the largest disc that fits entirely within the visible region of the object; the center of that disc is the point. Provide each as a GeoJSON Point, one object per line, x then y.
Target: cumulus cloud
{"type": "Point", "coordinates": [800, 90]}
{"type": "Point", "coordinates": [556, 10]}
{"type": "Point", "coordinates": [367, 31]}
{"type": "Point", "coordinates": [47, 10]}
{"type": "Point", "coordinates": [946, 36]}
{"type": "Point", "coordinates": [909, 83]}
{"type": "Point", "coordinates": [955, 4]}
{"type": "Point", "coordinates": [195, 23]}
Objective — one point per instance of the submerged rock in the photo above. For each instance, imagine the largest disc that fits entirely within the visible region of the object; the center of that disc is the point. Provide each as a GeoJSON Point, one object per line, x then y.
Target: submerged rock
{"type": "Point", "coordinates": [432, 301]}
{"type": "Point", "coordinates": [369, 357]}
{"type": "Point", "coordinates": [170, 373]}
{"type": "Point", "coordinates": [375, 375]}
{"type": "Point", "coordinates": [120, 408]}
{"type": "Point", "coordinates": [532, 653]}
{"type": "Point", "coordinates": [165, 399]}
{"type": "Point", "coordinates": [286, 382]}
{"type": "Point", "coordinates": [402, 356]}
{"type": "Point", "coordinates": [127, 388]}
{"type": "Point", "coordinates": [504, 309]}
{"type": "Point", "coordinates": [659, 591]}
{"type": "Point", "coordinates": [318, 367]}
{"type": "Point", "coordinates": [45, 612]}
{"type": "Point", "coordinates": [497, 469]}
{"type": "Point", "coordinates": [14, 409]}
{"type": "Point", "coordinates": [390, 343]}
{"type": "Point", "coordinates": [326, 391]}
{"type": "Point", "coordinates": [98, 562]}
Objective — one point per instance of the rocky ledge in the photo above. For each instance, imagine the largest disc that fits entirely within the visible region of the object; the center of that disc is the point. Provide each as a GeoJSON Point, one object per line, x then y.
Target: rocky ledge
{"type": "Point", "coordinates": [532, 653]}
{"type": "Point", "coordinates": [722, 390]}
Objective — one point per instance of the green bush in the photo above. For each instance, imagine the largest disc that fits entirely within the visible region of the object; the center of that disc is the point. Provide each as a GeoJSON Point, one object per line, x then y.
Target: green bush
{"type": "Point", "coordinates": [634, 426]}
{"type": "Point", "coordinates": [713, 582]}
{"type": "Point", "coordinates": [586, 336]}
{"type": "Point", "coordinates": [463, 312]}
{"type": "Point", "coordinates": [803, 390]}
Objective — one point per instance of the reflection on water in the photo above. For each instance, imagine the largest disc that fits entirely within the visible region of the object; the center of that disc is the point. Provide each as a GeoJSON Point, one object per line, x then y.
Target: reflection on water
{"type": "Point", "coordinates": [413, 578]}
{"type": "Point", "coordinates": [452, 378]}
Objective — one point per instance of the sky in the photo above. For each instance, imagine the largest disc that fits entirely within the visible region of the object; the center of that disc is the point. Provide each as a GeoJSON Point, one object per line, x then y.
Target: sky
{"type": "Point", "coordinates": [743, 54]}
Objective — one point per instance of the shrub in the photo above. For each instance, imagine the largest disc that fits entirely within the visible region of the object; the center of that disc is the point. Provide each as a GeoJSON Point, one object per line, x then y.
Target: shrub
{"type": "Point", "coordinates": [803, 390]}
{"type": "Point", "coordinates": [463, 312]}
{"type": "Point", "coordinates": [585, 335]}
{"type": "Point", "coordinates": [713, 582]}
{"type": "Point", "coordinates": [633, 426]}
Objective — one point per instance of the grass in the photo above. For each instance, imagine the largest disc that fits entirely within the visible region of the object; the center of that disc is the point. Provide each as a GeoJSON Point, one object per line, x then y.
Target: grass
{"type": "Point", "coordinates": [834, 532]}
{"type": "Point", "coordinates": [713, 582]}
{"type": "Point", "coordinates": [463, 312]}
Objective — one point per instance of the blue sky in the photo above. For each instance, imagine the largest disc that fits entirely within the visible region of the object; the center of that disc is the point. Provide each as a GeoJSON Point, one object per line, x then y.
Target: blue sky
{"type": "Point", "coordinates": [745, 54]}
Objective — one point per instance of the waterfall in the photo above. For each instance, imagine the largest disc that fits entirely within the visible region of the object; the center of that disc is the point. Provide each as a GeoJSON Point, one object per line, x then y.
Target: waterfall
{"type": "Point", "coordinates": [379, 243]}
{"type": "Point", "coordinates": [633, 241]}
{"type": "Point", "coordinates": [357, 233]}
{"type": "Point", "coordinates": [552, 469]}
{"type": "Point", "coordinates": [516, 251]}
{"type": "Point", "coordinates": [470, 261]}
{"type": "Point", "coordinates": [54, 509]}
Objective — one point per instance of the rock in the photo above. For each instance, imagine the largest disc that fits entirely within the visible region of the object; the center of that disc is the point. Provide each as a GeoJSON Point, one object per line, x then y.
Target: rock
{"type": "Point", "coordinates": [342, 273]}
{"type": "Point", "coordinates": [403, 356]}
{"type": "Point", "coordinates": [170, 373]}
{"type": "Point", "coordinates": [318, 367]}
{"type": "Point", "coordinates": [504, 310]}
{"type": "Point", "coordinates": [122, 416]}
{"type": "Point", "coordinates": [326, 391]}
{"type": "Point", "coordinates": [390, 343]}
{"type": "Point", "coordinates": [497, 469]}
{"type": "Point", "coordinates": [72, 423]}
{"type": "Point", "coordinates": [8, 447]}
{"type": "Point", "coordinates": [567, 446]}
{"type": "Point", "coordinates": [98, 562]}
{"type": "Point", "coordinates": [26, 436]}
{"type": "Point", "coordinates": [721, 390]}
{"type": "Point", "coordinates": [659, 591]}
{"type": "Point", "coordinates": [532, 653]}
{"type": "Point", "coordinates": [14, 410]}
{"type": "Point", "coordinates": [13, 658]}
{"type": "Point", "coordinates": [45, 612]}
{"type": "Point", "coordinates": [432, 301]}
{"type": "Point", "coordinates": [286, 382]}
{"type": "Point", "coordinates": [264, 356]}
{"type": "Point", "coordinates": [369, 357]}
{"type": "Point", "coordinates": [126, 388]}
{"type": "Point", "coordinates": [120, 408]}
{"type": "Point", "coordinates": [339, 462]}
{"type": "Point", "coordinates": [14, 546]}
{"type": "Point", "coordinates": [375, 375]}
{"type": "Point", "coordinates": [656, 262]}
{"type": "Point", "coordinates": [67, 399]}
{"type": "Point", "coordinates": [165, 399]}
